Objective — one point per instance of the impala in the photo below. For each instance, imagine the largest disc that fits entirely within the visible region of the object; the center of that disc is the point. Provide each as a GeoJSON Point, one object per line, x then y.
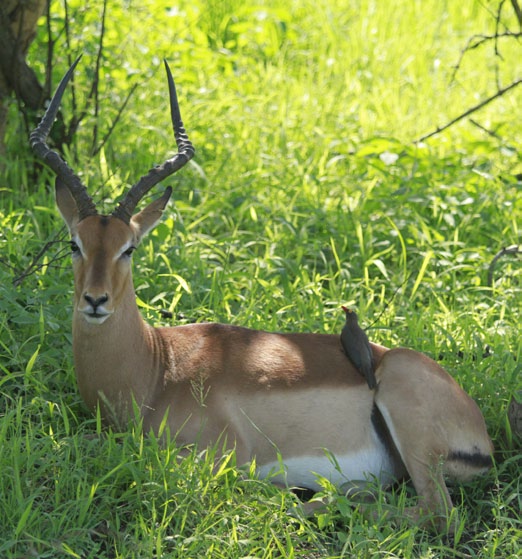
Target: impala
{"type": "Point", "coordinates": [290, 399]}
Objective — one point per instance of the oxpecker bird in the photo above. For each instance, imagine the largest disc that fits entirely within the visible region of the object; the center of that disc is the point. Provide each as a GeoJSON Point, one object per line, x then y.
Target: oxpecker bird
{"type": "Point", "coordinates": [357, 347]}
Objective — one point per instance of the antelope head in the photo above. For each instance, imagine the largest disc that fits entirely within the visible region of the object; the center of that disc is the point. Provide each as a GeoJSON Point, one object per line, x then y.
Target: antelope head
{"type": "Point", "coordinates": [102, 244]}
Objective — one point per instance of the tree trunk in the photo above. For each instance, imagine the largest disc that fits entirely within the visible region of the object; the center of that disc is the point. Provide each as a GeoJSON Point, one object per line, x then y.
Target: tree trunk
{"type": "Point", "coordinates": [18, 20]}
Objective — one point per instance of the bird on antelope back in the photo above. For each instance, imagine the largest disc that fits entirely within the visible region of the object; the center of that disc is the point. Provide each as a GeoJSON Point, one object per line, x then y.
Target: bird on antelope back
{"type": "Point", "coordinates": [357, 347]}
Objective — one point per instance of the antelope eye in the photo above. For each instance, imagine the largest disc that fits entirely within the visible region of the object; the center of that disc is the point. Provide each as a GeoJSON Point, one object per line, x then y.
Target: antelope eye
{"type": "Point", "coordinates": [129, 251]}
{"type": "Point", "coordinates": [75, 249]}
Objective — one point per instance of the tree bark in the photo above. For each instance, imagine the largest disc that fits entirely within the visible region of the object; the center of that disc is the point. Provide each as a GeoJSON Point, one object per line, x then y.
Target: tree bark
{"type": "Point", "coordinates": [18, 21]}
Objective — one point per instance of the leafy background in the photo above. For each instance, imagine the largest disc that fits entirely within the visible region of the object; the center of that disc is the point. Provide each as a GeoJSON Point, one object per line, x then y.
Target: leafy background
{"type": "Point", "coordinates": [308, 191]}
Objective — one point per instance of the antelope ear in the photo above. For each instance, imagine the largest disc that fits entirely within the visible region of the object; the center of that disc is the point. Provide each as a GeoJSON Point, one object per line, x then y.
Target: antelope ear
{"type": "Point", "coordinates": [66, 204]}
{"type": "Point", "coordinates": [148, 218]}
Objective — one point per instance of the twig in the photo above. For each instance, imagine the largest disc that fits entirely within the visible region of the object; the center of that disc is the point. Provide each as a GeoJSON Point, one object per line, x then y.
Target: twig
{"type": "Point", "coordinates": [388, 303]}
{"type": "Point", "coordinates": [512, 249]}
{"type": "Point", "coordinates": [76, 119]}
{"type": "Point", "coordinates": [97, 149]}
{"type": "Point", "coordinates": [95, 92]}
{"type": "Point", "coordinates": [7, 264]}
{"type": "Point", "coordinates": [518, 12]}
{"type": "Point", "coordinates": [69, 55]}
{"type": "Point", "coordinates": [50, 50]}
{"type": "Point", "coordinates": [480, 40]}
{"type": "Point", "coordinates": [476, 41]}
{"type": "Point", "coordinates": [473, 109]}
{"type": "Point", "coordinates": [489, 132]}
{"type": "Point", "coordinates": [35, 262]}
{"type": "Point", "coordinates": [497, 25]}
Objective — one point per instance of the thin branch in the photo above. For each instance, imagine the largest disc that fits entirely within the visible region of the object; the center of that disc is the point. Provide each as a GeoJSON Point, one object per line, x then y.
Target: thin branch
{"type": "Point", "coordinates": [518, 12]}
{"type": "Point", "coordinates": [35, 261]}
{"type": "Point", "coordinates": [95, 91]}
{"type": "Point", "coordinates": [7, 264]}
{"type": "Point", "coordinates": [98, 148]}
{"type": "Point", "coordinates": [470, 111]}
{"type": "Point", "coordinates": [69, 54]}
{"type": "Point", "coordinates": [388, 303]}
{"type": "Point", "coordinates": [50, 50]}
{"type": "Point", "coordinates": [489, 132]}
{"type": "Point", "coordinates": [481, 40]}
{"type": "Point", "coordinates": [497, 25]}
{"type": "Point", "coordinates": [512, 249]}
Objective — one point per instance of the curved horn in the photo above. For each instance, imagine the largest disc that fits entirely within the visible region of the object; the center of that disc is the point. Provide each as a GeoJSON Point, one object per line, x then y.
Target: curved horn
{"type": "Point", "coordinates": [185, 153]}
{"type": "Point", "coordinates": [39, 145]}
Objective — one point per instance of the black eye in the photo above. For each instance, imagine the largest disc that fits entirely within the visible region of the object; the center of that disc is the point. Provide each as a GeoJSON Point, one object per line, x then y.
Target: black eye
{"type": "Point", "coordinates": [129, 251]}
{"type": "Point", "coordinates": [75, 249]}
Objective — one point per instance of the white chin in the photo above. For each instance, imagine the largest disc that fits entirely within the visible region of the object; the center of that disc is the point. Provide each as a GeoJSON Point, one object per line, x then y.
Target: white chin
{"type": "Point", "coordinates": [96, 319]}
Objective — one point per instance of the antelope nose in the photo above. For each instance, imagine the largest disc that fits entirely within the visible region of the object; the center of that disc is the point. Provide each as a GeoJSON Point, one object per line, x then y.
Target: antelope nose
{"type": "Point", "coordinates": [95, 303]}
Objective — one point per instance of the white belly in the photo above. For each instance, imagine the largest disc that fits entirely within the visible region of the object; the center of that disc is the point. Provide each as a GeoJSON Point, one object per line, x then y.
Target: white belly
{"type": "Point", "coordinates": [304, 471]}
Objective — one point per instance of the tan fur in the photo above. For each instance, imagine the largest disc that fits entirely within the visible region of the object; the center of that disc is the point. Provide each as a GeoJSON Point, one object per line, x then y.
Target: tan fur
{"type": "Point", "coordinates": [267, 395]}
{"type": "Point", "coordinates": [433, 426]}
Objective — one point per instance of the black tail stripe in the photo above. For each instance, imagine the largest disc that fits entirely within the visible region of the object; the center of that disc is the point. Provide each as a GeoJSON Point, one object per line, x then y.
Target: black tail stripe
{"type": "Point", "coordinates": [476, 459]}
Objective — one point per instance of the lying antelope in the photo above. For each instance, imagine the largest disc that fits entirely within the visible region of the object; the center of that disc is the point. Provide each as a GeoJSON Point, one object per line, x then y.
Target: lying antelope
{"type": "Point", "coordinates": [290, 398]}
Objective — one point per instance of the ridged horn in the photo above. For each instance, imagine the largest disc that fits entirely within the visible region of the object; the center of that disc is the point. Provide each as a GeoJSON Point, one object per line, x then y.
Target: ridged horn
{"type": "Point", "coordinates": [126, 207]}
{"type": "Point", "coordinates": [53, 160]}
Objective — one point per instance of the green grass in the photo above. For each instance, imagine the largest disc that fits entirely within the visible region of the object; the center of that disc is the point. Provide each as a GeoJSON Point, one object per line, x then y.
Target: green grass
{"type": "Point", "coordinates": [290, 210]}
